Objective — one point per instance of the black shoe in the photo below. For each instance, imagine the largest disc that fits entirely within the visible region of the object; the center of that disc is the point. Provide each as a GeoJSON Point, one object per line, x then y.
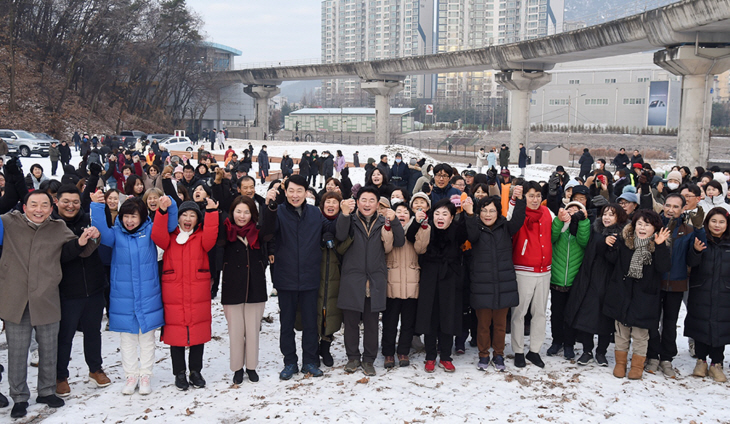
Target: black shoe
{"type": "Point", "coordinates": [20, 409]}
{"type": "Point", "coordinates": [585, 358]}
{"type": "Point", "coordinates": [535, 359]}
{"type": "Point", "coordinates": [51, 400]}
{"type": "Point", "coordinates": [3, 401]}
{"type": "Point", "coordinates": [252, 376]}
{"type": "Point", "coordinates": [196, 379]}
{"type": "Point", "coordinates": [520, 360]}
{"type": "Point", "coordinates": [324, 352]}
{"type": "Point", "coordinates": [181, 381]}
{"type": "Point", "coordinates": [554, 349]}
{"type": "Point", "coordinates": [238, 377]}
{"type": "Point", "coordinates": [601, 359]}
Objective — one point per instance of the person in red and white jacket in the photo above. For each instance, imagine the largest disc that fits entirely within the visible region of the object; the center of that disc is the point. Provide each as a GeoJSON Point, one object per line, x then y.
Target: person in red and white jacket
{"type": "Point", "coordinates": [532, 254]}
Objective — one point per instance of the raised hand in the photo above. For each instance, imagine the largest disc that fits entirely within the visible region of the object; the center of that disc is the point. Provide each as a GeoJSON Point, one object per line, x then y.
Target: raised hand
{"type": "Point", "coordinates": [699, 246]}
{"type": "Point", "coordinates": [662, 236]}
{"type": "Point", "coordinates": [468, 206]}
{"type": "Point", "coordinates": [164, 203]}
{"type": "Point", "coordinates": [563, 215]}
{"type": "Point", "coordinates": [97, 196]}
{"type": "Point", "coordinates": [517, 192]}
{"type": "Point", "coordinates": [211, 204]}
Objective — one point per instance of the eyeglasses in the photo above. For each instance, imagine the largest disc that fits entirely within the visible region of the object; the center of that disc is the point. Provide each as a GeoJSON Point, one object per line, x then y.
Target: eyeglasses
{"type": "Point", "coordinates": [623, 203]}
{"type": "Point", "coordinates": [688, 196]}
{"type": "Point", "coordinates": [442, 176]}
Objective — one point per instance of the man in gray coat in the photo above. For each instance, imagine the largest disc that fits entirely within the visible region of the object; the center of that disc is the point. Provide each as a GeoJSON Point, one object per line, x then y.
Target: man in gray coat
{"type": "Point", "coordinates": [364, 273]}
{"type": "Point", "coordinates": [34, 245]}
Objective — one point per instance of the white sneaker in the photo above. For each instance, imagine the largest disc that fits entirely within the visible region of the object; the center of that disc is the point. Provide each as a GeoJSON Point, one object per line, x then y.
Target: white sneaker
{"type": "Point", "coordinates": [34, 358]}
{"type": "Point", "coordinates": [144, 385]}
{"type": "Point", "coordinates": [130, 386]}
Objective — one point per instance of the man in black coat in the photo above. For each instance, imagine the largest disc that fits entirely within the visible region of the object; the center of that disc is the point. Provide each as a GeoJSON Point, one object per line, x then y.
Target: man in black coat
{"type": "Point", "coordinates": [399, 172]}
{"type": "Point", "coordinates": [298, 230]}
{"type": "Point", "coordinates": [65, 151]}
{"type": "Point", "coordinates": [621, 160]}
{"type": "Point", "coordinates": [211, 139]}
{"type": "Point", "coordinates": [384, 167]}
{"type": "Point", "coordinates": [586, 163]}
{"type": "Point", "coordinates": [82, 296]}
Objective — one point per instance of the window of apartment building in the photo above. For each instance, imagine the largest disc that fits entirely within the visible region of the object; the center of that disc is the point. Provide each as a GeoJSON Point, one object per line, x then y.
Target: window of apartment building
{"type": "Point", "coordinates": [636, 101]}
{"type": "Point", "coordinates": [644, 79]}
{"type": "Point", "coordinates": [610, 80]}
{"type": "Point", "coordinates": [596, 102]}
{"type": "Point", "coordinates": [558, 102]}
{"type": "Point", "coordinates": [574, 81]}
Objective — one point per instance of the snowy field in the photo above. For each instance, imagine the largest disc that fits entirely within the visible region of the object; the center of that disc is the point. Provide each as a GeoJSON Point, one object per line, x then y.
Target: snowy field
{"type": "Point", "coordinates": [563, 392]}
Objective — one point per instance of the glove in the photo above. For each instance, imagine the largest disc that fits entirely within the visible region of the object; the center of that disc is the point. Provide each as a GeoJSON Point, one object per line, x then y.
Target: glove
{"type": "Point", "coordinates": [573, 226]}
{"type": "Point", "coordinates": [95, 169]}
{"type": "Point", "coordinates": [553, 184]}
{"type": "Point", "coordinates": [579, 216]}
{"type": "Point", "coordinates": [426, 188]}
{"type": "Point", "coordinates": [697, 219]}
{"type": "Point", "coordinates": [491, 175]}
{"type": "Point", "coordinates": [13, 167]}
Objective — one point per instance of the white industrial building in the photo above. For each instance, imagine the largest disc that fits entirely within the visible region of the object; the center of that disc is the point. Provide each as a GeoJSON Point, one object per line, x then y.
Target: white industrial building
{"type": "Point", "coordinates": [627, 91]}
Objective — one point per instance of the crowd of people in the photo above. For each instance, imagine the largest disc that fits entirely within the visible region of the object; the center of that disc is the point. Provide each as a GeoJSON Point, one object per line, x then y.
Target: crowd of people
{"type": "Point", "coordinates": [442, 257]}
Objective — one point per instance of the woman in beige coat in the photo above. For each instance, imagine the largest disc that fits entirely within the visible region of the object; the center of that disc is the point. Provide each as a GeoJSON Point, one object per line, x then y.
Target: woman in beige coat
{"type": "Point", "coordinates": [403, 277]}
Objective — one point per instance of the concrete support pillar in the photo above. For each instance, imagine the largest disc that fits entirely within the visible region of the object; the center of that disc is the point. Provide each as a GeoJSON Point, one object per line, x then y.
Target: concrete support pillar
{"type": "Point", "coordinates": [382, 90]}
{"type": "Point", "coordinates": [262, 94]}
{"type": "Point", "coordinates": [698, 67]}
{"type": "Point", "coordinates": [520, 84]}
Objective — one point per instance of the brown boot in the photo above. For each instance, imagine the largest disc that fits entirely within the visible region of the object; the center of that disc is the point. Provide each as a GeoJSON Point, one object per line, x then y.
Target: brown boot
{"type": "Point", "coordinates": [619, 371]}
{"type": "Point", "coordinates": [637, 367]}
{"type": "Point", "coordinates": [62, 388]}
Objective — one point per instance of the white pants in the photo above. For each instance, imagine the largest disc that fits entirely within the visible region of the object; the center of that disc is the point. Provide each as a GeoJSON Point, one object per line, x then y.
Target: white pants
{"type": "Point", "coordinates": [534, 289]}
{"type": "Point", "coordinates": [133, 363]}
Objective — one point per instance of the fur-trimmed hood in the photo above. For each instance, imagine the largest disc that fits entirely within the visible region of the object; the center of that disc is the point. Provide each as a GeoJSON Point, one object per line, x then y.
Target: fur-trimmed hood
{"type": "Point", "coordinates": [628, 235]}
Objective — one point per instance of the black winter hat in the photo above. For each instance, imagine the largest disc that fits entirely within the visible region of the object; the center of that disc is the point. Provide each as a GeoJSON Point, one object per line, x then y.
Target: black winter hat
{"type": "Point", "coordinates": [189, 205]}
{"type": "Point", "coordinates": [580, 189]}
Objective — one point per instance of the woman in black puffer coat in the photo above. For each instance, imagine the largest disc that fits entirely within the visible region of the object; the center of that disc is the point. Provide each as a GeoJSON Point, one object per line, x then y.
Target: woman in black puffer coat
{"type": "Point", "coordinates": [584, 310]}
{"type": "Point", "coordinates": [493, 281]}
{"type": "Point", "coordinates": [708, 303]}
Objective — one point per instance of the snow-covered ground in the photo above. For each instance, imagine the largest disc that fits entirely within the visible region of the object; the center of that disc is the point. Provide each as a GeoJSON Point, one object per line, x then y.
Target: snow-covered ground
{"type": "Point", "coordinates": [562, 392]}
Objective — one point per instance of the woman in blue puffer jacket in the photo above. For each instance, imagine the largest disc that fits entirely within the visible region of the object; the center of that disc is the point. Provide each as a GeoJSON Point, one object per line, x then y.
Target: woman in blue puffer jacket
{"type": "Point", "coordinates": [135, 308]}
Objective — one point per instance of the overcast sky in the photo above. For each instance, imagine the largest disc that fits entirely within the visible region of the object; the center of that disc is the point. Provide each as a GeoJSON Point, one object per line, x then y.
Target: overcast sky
{"type": "Point", "coordinates": [264, 30]}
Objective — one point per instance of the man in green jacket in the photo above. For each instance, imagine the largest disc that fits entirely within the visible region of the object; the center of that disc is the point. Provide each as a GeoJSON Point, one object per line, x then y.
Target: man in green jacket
{"type": "Point", "coordinates": [570, 234]}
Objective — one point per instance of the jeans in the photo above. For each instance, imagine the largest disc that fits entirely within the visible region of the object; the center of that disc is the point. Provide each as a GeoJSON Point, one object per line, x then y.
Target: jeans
{"type": "Point", "coordinates": [306, 303]}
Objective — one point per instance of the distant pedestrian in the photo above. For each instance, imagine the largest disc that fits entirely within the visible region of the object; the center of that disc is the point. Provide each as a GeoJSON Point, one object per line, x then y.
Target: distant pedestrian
{"type": "Point", "coordinates": [356, 159]}
{"type": "Point", "coordinates": [522, 162]}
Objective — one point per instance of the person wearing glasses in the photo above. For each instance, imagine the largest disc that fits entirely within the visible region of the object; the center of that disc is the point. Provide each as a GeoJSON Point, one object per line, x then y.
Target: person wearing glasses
{"type": "Point", "coordinates": [442, 188]}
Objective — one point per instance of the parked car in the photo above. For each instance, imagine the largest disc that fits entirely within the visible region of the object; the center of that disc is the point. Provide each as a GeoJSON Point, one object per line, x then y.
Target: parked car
{"type": "Point", "coordinates": [25, 143]}
{"type": "Point", "coordinates": [134, 133]}
{"type": "Point", "coordinates": [178, 144]}
{"type": "Point", "coordinates": [44, 136]}
{"type": "Point", "coordinates": [127, 141]}
{"type": "Point", "coordinates": [158, 137]}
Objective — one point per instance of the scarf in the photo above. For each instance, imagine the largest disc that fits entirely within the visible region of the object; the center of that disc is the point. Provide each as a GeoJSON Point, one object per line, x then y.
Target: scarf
{"type": "Point", "coordinates": [182, 236]}
{"type": "Point", "coordinates": [248, 232]}
{"type": "Point", "coordinates": [641, 257]}
{"type": "Point", "coordinates": [533, 215]}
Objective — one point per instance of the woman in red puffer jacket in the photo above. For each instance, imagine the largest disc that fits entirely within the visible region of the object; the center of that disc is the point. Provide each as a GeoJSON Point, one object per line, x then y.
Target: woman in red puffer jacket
{"type": "Point", "coordinates": [186, 284]}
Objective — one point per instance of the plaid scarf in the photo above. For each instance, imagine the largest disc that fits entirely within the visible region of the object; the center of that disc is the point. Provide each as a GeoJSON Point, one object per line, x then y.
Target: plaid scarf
{"type": "Point", "coordinates": [641, 257]}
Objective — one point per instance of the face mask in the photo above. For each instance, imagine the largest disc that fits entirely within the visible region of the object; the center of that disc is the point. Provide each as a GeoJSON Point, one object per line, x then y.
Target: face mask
{"type": "Point", "coordinates": [673, 186]}
{"type": "Point", "coordinates": [597, 166]}
{"type": "Point", "coordinates": [397, 161]}
{"type": "Point", "coordinates": [310, 201]}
